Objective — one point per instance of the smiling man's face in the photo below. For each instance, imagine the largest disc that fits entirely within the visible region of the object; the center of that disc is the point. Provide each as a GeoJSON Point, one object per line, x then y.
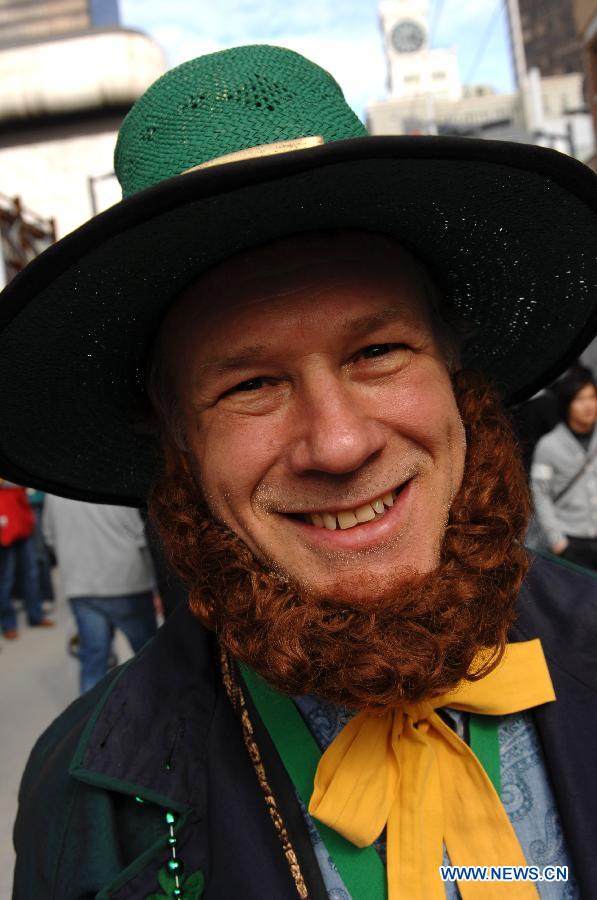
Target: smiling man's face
{"type": "Point", "coordinates": [318, 409]}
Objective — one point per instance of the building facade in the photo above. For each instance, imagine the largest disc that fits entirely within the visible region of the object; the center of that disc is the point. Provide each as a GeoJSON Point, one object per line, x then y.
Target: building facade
{"type": "Point", "coordinates": [585, 16]}
{"type": "Point", "coordinates": [414, 69]}
{"type": "Point", "coordinates": [425, 92]}
{"type": "Point", "coordinates": [551, 39]}
{"type": "Point", "coordinates": [68, 79]}
{"type": "Point", "coordinates": [546, 109]}
{"type": "Point", "coordinates": [38, 19]}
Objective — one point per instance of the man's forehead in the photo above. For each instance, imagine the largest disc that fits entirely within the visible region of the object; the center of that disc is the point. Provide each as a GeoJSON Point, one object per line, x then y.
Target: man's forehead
{"type": "Point", "coordinates": [288, 266]}
{"type": "Point", "coordinates": [292, 256]}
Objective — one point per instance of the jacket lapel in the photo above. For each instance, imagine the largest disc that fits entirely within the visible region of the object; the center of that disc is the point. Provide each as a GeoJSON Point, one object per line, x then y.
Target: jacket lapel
{"type": "Point", "coordinates": [164, 733]}
{"type": "Point", "coordinates": [139, 743]}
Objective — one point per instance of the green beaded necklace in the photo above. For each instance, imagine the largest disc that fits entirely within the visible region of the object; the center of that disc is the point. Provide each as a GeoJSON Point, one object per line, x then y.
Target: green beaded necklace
{"type": "Point", "coordinates": [171, 876]}
{"type": "Point", "coordinates": [174, 865]}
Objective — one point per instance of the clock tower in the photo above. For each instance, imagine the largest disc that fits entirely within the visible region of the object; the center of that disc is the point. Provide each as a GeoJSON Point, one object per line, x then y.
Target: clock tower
{"type": "Point", "coordinates": [414, 68]}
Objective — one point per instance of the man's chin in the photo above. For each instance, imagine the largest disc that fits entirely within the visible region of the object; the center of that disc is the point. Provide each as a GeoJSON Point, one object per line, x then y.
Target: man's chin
{"type": "Point", "coordinates": [363, 589]}
{"type": "Point", "coordinates": [354, 580]}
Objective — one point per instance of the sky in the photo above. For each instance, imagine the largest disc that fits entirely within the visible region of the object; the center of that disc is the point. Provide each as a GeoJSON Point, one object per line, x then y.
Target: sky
{"type": "Point", "coordinates": [341, 35]}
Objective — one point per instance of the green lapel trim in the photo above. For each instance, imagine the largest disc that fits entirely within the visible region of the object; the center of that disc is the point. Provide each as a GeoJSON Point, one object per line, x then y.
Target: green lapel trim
{"type": "Point", "coordinates": [484, 742]}
{"type": "Point", "coordinates": [110, 783]}
{"type": "Point", "coordinates": [361, 869]}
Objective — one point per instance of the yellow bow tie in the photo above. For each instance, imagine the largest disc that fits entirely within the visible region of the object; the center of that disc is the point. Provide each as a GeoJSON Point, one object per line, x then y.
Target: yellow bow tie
{"type": "Point", "coordinates": [407, 770]}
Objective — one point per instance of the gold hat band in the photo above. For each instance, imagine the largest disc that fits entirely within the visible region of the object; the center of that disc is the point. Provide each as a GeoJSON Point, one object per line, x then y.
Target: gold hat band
{"type": "Point", "coordinates": [303, 143]}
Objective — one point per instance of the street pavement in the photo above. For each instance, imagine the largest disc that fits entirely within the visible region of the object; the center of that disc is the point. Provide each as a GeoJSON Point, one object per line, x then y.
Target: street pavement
{"type": "Point", "coordinates": [38, 679]}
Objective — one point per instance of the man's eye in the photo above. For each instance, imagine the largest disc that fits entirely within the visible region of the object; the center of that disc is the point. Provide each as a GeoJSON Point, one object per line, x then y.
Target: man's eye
{"type": "Point", "coordinates": [375, 350]}
{"type": "Point", "coordinates": [252, 384]}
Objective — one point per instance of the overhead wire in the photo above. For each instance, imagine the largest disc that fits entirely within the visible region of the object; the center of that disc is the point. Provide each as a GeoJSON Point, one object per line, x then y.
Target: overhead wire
{"type": "Point", "coordinates": [482, 47]}
{"type": "Point", "coordinates": [487, 35]}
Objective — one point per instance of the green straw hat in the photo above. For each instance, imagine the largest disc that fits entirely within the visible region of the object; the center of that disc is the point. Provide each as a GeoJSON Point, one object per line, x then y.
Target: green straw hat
{"type": "Point", "coordinates": [269, 147]}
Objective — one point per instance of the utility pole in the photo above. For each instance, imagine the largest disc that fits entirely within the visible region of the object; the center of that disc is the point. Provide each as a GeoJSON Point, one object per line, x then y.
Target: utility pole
{"type": "Point", "coordinates": [516, 44]}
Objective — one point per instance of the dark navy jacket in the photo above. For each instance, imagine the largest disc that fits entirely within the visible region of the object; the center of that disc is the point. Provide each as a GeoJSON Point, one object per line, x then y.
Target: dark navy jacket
{"type": "Point", "coordinates": [161, 728]}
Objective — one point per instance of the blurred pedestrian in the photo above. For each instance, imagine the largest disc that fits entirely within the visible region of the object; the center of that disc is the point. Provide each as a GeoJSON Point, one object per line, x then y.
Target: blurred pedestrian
{"type": "Point", "coordinates": [17, 545]}
{"type": "Point", "coordinates": [106, 574]}
{"type": "Point", "coordinates": [36, 499]}
{"type": "Point", "coordinates": [564, 472]}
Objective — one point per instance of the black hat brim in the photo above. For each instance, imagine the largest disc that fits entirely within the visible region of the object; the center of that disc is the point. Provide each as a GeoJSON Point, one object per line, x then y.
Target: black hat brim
{"type": "Point", "coordinates": [508, 231]}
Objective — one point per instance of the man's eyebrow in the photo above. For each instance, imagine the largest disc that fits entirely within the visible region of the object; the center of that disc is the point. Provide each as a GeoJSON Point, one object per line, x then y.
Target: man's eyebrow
{"type": "Point", "coordinates": [367, 323]}
{"type": "Point", "coordinates": [244, 356]}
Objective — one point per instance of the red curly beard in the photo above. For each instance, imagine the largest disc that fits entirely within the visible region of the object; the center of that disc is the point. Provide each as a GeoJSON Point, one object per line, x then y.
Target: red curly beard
{"type": "Point", "coordinates": [417, 643]}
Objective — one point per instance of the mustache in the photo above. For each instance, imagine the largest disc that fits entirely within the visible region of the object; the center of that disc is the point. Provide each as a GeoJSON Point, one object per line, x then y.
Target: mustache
{"type": "Point", "coordinates": [334, 491]}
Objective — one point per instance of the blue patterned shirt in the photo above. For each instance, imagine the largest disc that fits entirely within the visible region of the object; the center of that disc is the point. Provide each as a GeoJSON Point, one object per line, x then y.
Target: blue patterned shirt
{"type": "Point", "coordinates": [526, 794]}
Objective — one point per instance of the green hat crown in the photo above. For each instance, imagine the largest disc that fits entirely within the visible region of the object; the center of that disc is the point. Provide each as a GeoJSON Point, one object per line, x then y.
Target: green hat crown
{"type": "Point", "coordinates": [226, 102]}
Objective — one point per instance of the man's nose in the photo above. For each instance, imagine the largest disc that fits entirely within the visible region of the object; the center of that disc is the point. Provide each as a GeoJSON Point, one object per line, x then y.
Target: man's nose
{"type": "Point", "coordinates": [337, 430]}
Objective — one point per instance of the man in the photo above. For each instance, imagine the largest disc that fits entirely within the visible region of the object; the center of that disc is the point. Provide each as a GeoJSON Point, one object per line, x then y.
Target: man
{"type": "Point", "coordinates": [107, 576]}
{"type": "Point", "coordinates": [341, 495]}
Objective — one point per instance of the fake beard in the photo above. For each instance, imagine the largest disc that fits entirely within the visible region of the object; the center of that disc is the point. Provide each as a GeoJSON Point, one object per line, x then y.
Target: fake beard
{"type": "Point", "coordinates": [414, 644]}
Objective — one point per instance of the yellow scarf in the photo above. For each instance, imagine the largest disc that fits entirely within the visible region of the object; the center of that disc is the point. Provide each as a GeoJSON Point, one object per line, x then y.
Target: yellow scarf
{"type": "Point", "coordinates": [407, 770]}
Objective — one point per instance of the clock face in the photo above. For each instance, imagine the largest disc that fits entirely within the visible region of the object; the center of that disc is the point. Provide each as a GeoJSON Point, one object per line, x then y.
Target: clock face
{"type": "Point", "coordinates": [407, 36]}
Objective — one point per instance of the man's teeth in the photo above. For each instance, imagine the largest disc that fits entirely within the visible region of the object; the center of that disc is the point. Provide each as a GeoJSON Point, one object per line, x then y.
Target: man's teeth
{"type": "Point", "coordinates": [348, 518]}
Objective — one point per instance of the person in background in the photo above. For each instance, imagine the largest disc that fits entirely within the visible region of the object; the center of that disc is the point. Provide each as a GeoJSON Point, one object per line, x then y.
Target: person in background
{"type": "Point", "coordinates": [106, 574]}
{"type": "Point", "coordinates": [564, 472]}
{"type": "Point", "coordinates": [21, 553]}
{"type": "Point", "coordinates": [36, 499]}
